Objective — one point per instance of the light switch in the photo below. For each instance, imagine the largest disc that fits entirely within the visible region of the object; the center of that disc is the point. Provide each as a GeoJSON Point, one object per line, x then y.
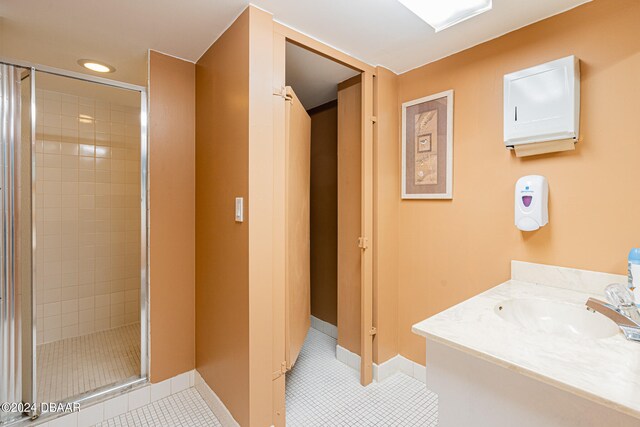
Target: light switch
{"type": "Point", "coordinates": [239, 209]}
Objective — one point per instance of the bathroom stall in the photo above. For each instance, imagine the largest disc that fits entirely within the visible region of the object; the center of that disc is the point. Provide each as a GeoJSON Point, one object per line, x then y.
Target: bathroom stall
{"type": "Point", "coordinates": [322, 196]}
{"type": "Point", "coordinates": [323, 211]}
{"type": "Point", "coordinates": [323, 206]}
{"type": "Point", "coordinates": [73, 290]}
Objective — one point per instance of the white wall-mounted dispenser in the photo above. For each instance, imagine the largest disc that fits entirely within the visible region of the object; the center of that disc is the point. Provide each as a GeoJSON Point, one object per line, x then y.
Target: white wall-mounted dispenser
{"type": "Point", "coordinates": [542, 108]}
{"type": "Point", "coordinates": [532, 202]}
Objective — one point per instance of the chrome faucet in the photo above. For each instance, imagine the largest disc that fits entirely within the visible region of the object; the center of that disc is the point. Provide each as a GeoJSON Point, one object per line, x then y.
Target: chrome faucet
{"type": "Point", "coordinates": [621, 309]}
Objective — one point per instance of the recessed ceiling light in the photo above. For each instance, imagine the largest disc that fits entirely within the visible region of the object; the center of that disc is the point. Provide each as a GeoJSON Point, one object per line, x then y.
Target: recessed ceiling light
{"type": "Point", "coordinates": [97, 66]}
{"type": "Point", "coordinates": [441, 14]}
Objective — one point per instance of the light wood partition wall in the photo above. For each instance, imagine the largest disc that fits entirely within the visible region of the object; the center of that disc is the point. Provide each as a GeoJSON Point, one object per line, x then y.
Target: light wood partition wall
{"type": "Point", "coordinates": [234, 260]}
{"type": "Point", "coordinates": [386, 206]}
{"type": "Point", "coordinates": [278, 359]}
{"type": "Point", "coordinates": [349, 214]}
{"type": "Point", "coordinates": [298, 230]}
{"type": "Point", "coordinates": [172, 215]}
{"type": "Point", "coordinates": [261, 214]}
{"type": "Point", "coordinates": [324, 212]}
{"type": "Point", "coordinates": [365, 242]}
{"type": "Point", "coordinates": [222, 245]}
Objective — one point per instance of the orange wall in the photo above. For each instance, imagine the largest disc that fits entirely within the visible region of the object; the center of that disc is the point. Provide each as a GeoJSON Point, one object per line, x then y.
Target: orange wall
{"type": "Point", "coordinates": [349, 213]}
{"type": "Point", "coordinates": [222, 245]}
{"type": "Point", "coordinates": [172, 215]}
{"type": "Point", "coordinates": [324, 212]}
{"type": "Point", "coordinates": [451, 250]}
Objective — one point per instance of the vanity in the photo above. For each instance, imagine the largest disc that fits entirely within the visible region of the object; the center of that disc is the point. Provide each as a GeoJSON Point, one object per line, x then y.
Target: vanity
{"type": "Point", "coordinates": [528, 353]}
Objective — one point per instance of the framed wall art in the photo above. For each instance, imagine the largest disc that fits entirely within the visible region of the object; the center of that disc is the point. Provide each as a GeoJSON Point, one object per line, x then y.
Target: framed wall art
{"type": "Point", "coordinates": [427, 147]}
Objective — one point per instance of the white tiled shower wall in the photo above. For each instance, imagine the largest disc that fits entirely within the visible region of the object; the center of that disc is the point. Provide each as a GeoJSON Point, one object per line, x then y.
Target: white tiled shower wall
{"type": "Point", "coordinates": [87, 215]}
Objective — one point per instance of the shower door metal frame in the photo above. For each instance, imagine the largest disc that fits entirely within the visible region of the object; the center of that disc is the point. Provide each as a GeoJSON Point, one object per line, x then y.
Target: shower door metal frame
{"type": "Point", "coordinates": [12, 371]}
{"type": "Point", "coordinates": [104, 392]}
{"type": "Point", "coordinates": [32, 116]}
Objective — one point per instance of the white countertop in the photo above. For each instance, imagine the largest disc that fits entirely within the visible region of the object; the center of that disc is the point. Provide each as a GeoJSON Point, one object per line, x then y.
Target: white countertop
{"type": "Point", "coordinates": [604, 370]}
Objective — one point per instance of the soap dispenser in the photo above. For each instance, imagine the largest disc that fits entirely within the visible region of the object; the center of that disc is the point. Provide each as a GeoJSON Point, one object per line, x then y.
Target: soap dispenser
{"type": "Point", "coordinates": [531, 202]}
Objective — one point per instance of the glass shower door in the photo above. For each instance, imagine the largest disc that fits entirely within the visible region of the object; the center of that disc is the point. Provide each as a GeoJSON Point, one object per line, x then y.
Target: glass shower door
{"type": "Point", "coordinates": [16, 304]}
{"type": "Point", "coordinates": [73, 310]}
{"type": "Point", "coordinates": [89, 237]}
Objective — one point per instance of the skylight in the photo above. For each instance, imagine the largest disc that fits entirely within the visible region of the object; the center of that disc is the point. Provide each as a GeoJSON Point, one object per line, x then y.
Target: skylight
{"type": "Point", "coordinates": [441, 14]}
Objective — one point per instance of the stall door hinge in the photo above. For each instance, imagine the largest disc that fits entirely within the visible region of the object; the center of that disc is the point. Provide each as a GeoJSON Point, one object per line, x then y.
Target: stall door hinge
{"type": "Point", "coordinates": [363, 242]}
{"type": "Point", "coordinates": [282, 92]}
{"type": "Point", "coordinates": [281, 372]}
{"type": "Point", "coordinates": [373, 331]}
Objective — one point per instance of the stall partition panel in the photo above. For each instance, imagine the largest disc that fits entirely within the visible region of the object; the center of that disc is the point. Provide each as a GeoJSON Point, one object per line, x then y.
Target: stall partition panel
{"type": "Point", "coordinates": [298, 226]}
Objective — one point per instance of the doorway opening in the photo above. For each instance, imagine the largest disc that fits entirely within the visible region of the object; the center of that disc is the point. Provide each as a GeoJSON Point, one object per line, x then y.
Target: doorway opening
{"type": "Point", "coordinates": [323, 217]}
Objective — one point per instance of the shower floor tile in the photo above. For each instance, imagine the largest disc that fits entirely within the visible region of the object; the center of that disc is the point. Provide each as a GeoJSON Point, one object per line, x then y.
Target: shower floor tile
{"type": "Point", "coordinates": [76, 365]}
{"type": "Point", "coordinates": [322, 391]}
{"type": "Point", "coordinates": [186, 409]}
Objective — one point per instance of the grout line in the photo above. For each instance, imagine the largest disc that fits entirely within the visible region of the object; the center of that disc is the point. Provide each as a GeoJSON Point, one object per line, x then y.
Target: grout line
{"type": "Point", "coordinates": [73, 366]}
{"type": "Point", "coordinates": [320, 390]}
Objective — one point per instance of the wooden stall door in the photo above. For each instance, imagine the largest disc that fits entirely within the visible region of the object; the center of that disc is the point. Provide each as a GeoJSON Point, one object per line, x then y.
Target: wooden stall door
{"type": "Point", "coordinates": [297, 226]}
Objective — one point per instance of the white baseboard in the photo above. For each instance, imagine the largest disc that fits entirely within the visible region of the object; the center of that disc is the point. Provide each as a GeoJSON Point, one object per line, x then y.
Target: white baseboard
{"type": "Point", "coordinates": [411, 368]}
{"type": "Point", "coordinates": [386, 369]}
{"type": "Point", "coordinates": [350, 359]}
{"type": "Point", "coordinates": [324, 327]}
{"type": "Point", "coordinates": [381, 372]}
{"type": "Point", "coordinates": [121, 403]}
{"type": "Point", "coordinates": [214, 403]}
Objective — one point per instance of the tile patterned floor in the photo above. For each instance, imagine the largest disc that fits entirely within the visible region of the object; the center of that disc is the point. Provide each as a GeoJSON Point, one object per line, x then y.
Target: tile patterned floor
{"type": "Point", "coordinates": [184, 409]}
{"type": "Point", "coordinates": [322, 391]}
{"type": "Point", "coordinates": [73, 366]}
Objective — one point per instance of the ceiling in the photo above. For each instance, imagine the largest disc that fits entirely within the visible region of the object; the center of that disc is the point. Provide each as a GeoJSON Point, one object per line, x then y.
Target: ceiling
{"type": "Point", "coordinates": [314, 78]}
{"type": "Point", "coordinates": [119, 32]}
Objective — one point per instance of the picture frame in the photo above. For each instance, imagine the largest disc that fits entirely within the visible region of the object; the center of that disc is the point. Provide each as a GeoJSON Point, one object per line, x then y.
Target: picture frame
{"type": "Point", "coordinates": [427, 147]}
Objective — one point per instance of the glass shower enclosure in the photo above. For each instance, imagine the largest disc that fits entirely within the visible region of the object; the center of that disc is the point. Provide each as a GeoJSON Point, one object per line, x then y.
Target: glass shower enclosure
{"type": "Point", "coordinates": [73, 247]}
{"type": "Point", "coordinates": [16, 308]}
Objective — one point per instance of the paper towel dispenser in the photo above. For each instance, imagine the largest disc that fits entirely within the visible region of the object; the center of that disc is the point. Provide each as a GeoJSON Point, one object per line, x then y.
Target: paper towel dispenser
{"type": "Point", "coordinates": [542, 107]}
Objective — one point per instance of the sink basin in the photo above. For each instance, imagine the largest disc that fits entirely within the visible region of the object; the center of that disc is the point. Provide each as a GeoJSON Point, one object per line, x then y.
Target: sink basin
{"type": "Point", "coordinates": [555, 317]}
